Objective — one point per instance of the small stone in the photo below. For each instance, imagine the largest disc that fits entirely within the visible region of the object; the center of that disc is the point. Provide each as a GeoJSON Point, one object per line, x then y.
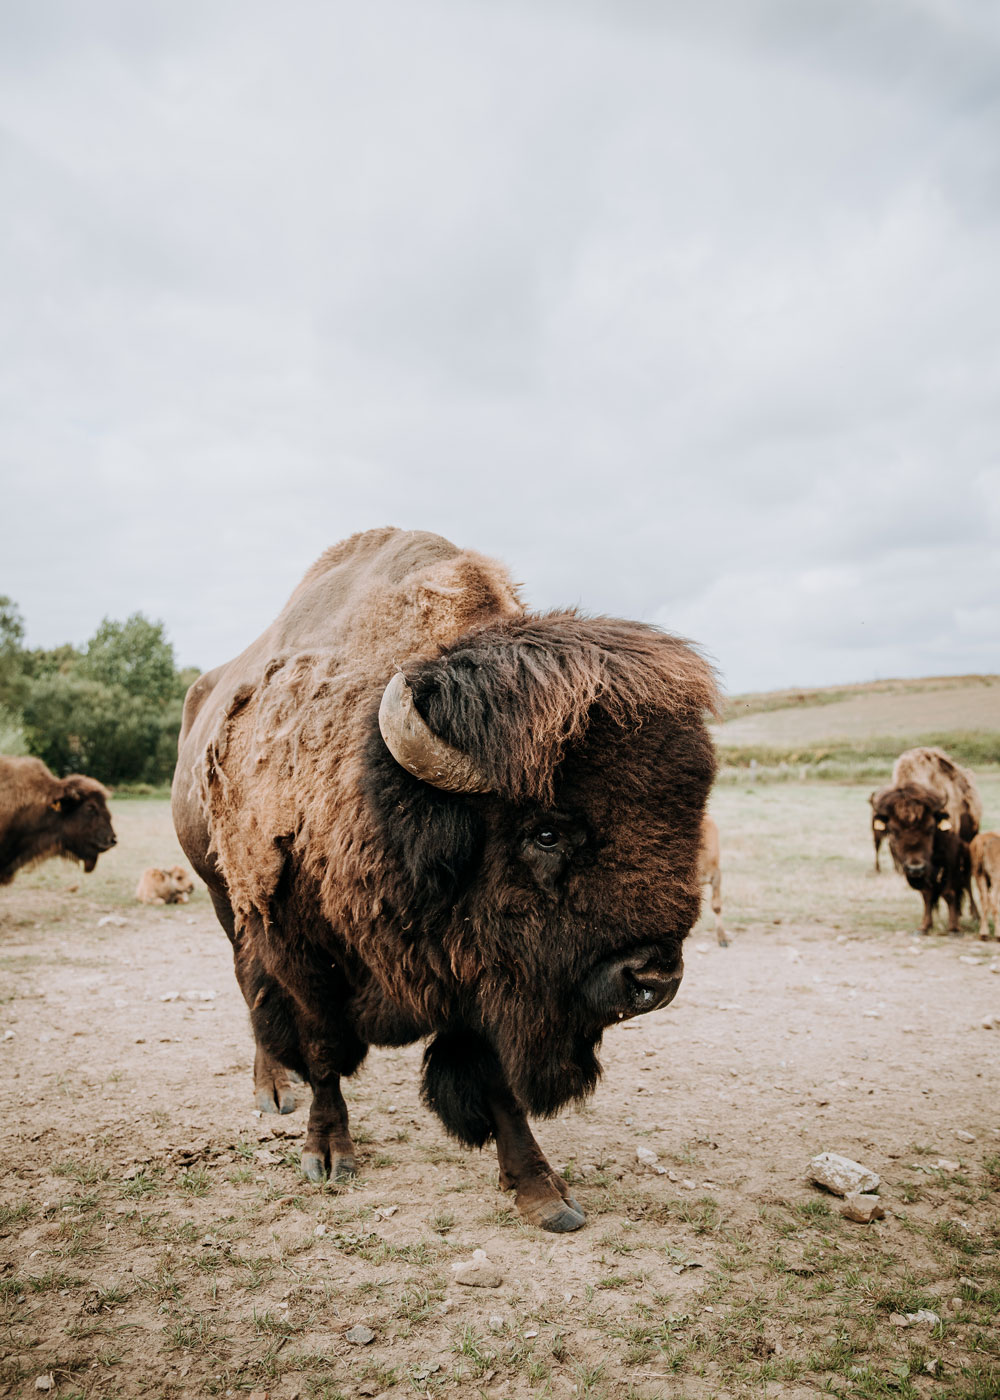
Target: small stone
{"type": "Point", "coordinates": [864, 1209]}
{"type": "Point", "coordinates": [648, 1158]}
{"type": "Point", "coordinates": [369, 1388]}
{"type": "Point", "coordinates": [944, 1164]}
{"type": "Point", "coordinates": [46, 1382]}
{"type": "Point", "coordinates": [964, 1136]}
{"type": "Point", "coordinates": [266, 1158]}
{"type": "Point", "coordinates": [898, 1320]}
{"type": "Point", "coordinates": [989, 1022]}
{"type": "Point", "coordinates": [477, 1272]}
{"type": "Point", "coordinates": [841, 1175]}
{"type": "Point", "coordinates": [116, 921]}
{"type": "Point", "coordinates": [931, 1367]}
{"type": "Point", "coordinates": [359, 1336]}
{"type": "Point", "coordinates": [923, 1318]}
{"type": "Point", "coordinates": [319, 1231]}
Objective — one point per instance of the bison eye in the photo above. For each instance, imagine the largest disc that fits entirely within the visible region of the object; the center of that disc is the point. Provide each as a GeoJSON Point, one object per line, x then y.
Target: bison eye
{"type": "Point", "coordinates": [546, 838]}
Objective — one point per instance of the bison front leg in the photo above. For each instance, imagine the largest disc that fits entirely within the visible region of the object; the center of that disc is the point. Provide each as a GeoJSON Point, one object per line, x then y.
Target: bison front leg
{"type": "Point", "coordinates": [465, 1086]}
{"type": "Point", "coordinates": [540, 1194]}
{"type": "Point", "coordinates": [720, 932]}
{"type": "Point", "coordinates": [328, 1150]}
{"type": "Point", "coordinates": [930, 900]}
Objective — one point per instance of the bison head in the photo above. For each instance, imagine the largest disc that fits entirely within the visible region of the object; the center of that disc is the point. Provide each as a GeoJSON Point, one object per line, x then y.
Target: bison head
{"type": "Point", "coordinates": [80, 819]}
{"type": "Point", "coordinates": [911, 816]}
{"type": "Point", "coordinates": [540, 803]}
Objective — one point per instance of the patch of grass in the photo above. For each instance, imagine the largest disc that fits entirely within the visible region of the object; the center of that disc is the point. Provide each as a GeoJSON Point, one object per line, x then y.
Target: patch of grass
{"type": "Point", "coordinates": [15, 1215]}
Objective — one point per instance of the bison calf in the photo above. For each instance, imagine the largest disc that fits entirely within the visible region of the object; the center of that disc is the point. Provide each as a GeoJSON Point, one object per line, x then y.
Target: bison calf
{"type": "Point", "coordinates": [43, 816]}
{"type": "Point", "coordinates": [985, 857]}
{"type": "Point", "coordinates": [158, 886]}
{"type": "Point", "coordinates": [710, 873]}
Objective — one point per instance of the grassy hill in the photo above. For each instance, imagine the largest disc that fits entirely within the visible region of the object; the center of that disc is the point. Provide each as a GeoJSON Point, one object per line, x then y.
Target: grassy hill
{"type": "Point", "coordinates": [856, 731]}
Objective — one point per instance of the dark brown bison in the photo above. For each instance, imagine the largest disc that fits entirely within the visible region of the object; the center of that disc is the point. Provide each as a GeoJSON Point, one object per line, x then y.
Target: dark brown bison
{"type": "Point", "coordinates": [926, 849]}
{"type": "Point", "coordinates": [985, 855]}
{"type": "Point", "coordinates": [422, 811]}
{"type": "Point", "coordinates": [954, 787]}
{"type": "Point", "coordinates": [43, 816]}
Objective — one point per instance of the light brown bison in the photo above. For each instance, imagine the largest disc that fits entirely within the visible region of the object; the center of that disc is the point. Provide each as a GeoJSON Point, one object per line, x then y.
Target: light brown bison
{"type": "Point", "coordinates": [710, 873]}
{"type": "Point", "coordinates": [985, 854]}
{"type": "Point", "coordinates": [423, 811]}
{"type": "Point", "coordinates": [158, 886]}
{"type": "Point", "coordinates": [43, 816]}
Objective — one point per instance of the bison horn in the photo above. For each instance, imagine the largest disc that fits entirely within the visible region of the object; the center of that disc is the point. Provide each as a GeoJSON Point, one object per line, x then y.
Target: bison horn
{"type": "Point", "coordinates": [418, 749]}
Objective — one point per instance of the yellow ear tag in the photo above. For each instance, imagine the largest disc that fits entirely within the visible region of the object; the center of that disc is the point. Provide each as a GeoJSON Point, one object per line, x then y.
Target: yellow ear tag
{"type": "Point", "coordinates": [56, 806]}
{"type": "Point", "coordinates": [878, 824]}
{"type": "Point", "coordinates": [944, 824]}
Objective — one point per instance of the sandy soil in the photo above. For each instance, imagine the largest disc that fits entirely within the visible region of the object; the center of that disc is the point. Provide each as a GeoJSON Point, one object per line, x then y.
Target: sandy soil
{"type": "Point", "coordinates": [157, 1238]}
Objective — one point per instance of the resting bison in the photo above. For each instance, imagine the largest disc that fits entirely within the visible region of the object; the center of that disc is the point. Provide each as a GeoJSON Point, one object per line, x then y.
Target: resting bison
{"type": "Point", "coordinates": [158, 886]}
{"type": "Point", "coordinates": [985, 855]}
{"type": "Point", "coordinates": [422, 811]}
{"type": "Point", "coordinates": [926, 848]}
{"type": "Point", "coordinates": [43, 816]}
{"type": "Point", "coordinates": [710, 873]}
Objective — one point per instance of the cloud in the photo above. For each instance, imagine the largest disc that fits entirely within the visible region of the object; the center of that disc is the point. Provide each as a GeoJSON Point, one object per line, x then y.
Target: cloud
{"type": "Point", "coordinates": [687, 312]}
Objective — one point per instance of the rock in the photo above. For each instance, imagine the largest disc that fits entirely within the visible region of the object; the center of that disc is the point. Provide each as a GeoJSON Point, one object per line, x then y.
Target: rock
{"type": "Point", "coordinates": [989, 1022]}
{"type": "Point", "coordinates": [863, 1209]}
{"type": "Point", "coordinates": [266, 1158]}
{"type": "Point", "coordinates": [359, 1336]}
{"type": "Point", "coordinates": [648, 1158]}
{"type": "Point", "coordinates": [46, 1382]}
{"type": "Point", "coordinates": [477, 1272]}
{"type": "Point", "coordinates": [842, 1176]}
{"type": "Point", "coordinates": [964, 1136]}
{"type": "Point", "coordinates": [116, 921]}
{"type": "Point", "coordinates": [923, 1317]}
{"type": "Point", "coordinates": [944, 1164]}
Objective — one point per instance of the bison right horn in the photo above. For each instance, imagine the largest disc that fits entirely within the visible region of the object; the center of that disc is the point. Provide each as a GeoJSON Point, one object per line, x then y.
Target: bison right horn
{"type": "Point", "coordinates": [415, 746]}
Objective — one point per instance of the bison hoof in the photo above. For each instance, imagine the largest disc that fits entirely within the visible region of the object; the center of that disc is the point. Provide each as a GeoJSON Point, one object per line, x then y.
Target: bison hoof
{"type": "Point", "coordinates": [280, 1099]}
{"type": "Point", "coordinates": [317, 1167]}
{"type": "Point", "coordinates": [723, 941]}
{"type": "Point", "coordinates": [561, 1219]}
{"type": "Point", "coordinates": [314, 1167]}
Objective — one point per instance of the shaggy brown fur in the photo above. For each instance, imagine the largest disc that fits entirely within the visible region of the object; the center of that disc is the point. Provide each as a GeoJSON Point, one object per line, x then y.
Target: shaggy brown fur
{"type": "Point", "coordinates": [367, 907]}
{"type": "Point", "coordinates": [158, 886]}
{"type": "Point", "coordinates": [925, 848]}
{"type": "Point", "coordinates": [985, 854]}
{"type": "Point", "coordinates": [42, 816]}
{"type": "Point", "coordinates": [955, 786]}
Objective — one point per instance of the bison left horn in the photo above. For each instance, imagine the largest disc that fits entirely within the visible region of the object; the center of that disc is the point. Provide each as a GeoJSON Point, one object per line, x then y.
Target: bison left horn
{"type": "Point", "coordinates": [418, 749]}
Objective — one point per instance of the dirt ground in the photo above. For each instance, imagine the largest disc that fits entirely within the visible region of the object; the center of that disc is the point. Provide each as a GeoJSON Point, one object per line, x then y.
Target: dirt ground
{"type": "Point", "coordinates": [156, 1238]}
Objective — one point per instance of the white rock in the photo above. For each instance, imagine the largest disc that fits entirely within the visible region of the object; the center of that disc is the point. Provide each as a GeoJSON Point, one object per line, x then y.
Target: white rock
{"type": "Point", "coordinates": [477, 1272]}
{"type": "Point", "coordinates": [359, 1336]}
{"type": "Point", "coordinates": [648, 1158]}
{"type": "Point", "coordinates": [944, 1164]}
{"type": "Point", "coordinates": [841, 1175]}
{"type": "Point", "coordinates": [47, 1382]}
{"type": "Point", "coordinates": [116, 921]}
{"type": "Point", "coordinates": [864, 1209]}
{"type": "Point", "coordinates": [964, 1136]}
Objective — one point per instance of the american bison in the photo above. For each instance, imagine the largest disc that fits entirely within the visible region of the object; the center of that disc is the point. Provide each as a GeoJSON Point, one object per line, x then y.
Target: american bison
{"type": "Point", "coordinates": [985, 856]}
{"type": "Point", "coordinates": [158, 886]}
{"type": "Point", "coordinates": [43, 816]}
{"type": "Point", "coordinates": [926, 849]}
{"type": "Point", "coordinates": [423, 811]}
{"type": "Point", "coordinates": [931, 768]}
{"type": "Point", "coordinates": [710, 873]}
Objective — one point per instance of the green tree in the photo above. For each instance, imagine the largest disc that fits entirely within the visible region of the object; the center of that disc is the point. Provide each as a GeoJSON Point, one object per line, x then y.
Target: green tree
{"type": "Point", "coordinates": [134, 655]}
{"type": "Point", "coordinates": [12, 678]}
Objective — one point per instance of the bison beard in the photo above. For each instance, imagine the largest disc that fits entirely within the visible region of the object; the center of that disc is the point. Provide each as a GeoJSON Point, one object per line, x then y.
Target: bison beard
{"type": "Point", "coordinates": [509, 924]}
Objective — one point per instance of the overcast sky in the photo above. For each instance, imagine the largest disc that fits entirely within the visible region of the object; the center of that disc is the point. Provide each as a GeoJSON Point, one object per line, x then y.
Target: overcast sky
{"type": "Point", "coordinates": [688, 311]}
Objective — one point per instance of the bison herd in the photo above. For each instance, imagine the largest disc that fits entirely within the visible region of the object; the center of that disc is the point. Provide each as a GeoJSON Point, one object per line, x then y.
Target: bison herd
{"type": "Point", "coordinates": [424, 812]}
